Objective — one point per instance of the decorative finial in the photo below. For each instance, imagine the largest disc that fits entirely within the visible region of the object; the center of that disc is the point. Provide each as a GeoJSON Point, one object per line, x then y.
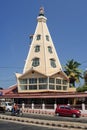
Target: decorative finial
{"type": "Point", "coordinates": [41, 13]}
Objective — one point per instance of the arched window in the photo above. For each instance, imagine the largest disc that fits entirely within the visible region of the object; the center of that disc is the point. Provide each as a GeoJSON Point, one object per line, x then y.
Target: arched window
{"type": "Point", "coordinates": [47, 37]}
{"type": "Point", "coordinates": [37, 48]}
{"type": "Point", "coordinates": [52, 63]}
{"type": "Point", "coordinates": [50, 49]}
{"type": "Point", "coordinates": [35, 62]}
{"type": "Point", "coordinates": [38, 37]}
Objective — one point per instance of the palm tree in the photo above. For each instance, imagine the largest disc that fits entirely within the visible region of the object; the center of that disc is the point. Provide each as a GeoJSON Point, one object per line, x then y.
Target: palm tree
{"type": "Point", "coordinates": [72, 71]}
{"type": "Point", "coordinates": [85, 77]}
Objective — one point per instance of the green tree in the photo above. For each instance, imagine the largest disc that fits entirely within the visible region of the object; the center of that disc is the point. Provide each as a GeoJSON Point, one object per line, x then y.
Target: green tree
{"type": "Point", "coordinates": [73, 72]}
{"type": "Point", "coordinates": [82, 88]}
{"type": "Point", "coordinates": [85, 77]}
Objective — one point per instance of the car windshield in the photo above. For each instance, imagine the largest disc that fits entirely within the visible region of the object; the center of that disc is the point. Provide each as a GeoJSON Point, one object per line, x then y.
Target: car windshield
{"type": "Point", "coordinates": [10, 104]}
{"type": "Point", "coordinates": [68, 107]}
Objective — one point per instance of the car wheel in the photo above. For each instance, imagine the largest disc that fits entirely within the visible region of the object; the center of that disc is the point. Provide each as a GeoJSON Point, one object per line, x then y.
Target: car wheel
{"type": "Point", "coordinates": [74, 115]}
{"type": "Point", "coordinates": [8, 110]}
{"type": "Point", "coordinates": [57, 114]}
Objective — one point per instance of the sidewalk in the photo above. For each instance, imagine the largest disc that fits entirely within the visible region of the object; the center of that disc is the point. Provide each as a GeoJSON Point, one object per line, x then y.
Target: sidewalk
{"type": "Point", "coordinates": [48, 112]}
{"type": "Point", "coordinates": [84, 113]}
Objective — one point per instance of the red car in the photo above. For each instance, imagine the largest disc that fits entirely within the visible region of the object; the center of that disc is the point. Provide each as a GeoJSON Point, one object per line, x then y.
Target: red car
{"type": "Point", "coordinates": [66, 110]}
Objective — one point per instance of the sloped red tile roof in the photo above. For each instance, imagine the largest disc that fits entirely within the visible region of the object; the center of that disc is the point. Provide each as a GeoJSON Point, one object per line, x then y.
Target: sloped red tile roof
{"type": "Point", "coordinates": [8, 90]}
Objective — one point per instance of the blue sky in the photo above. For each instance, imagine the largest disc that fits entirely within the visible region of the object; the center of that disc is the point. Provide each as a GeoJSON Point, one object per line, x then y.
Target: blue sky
{"type": "Point", "coordinates": [67, 23]}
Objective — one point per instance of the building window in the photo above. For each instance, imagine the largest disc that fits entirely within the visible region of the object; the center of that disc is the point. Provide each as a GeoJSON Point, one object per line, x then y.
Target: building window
{"type": "Point", "coordinates": [52, 62]}
{"type": "Point", "coordinates": [51, 80]}
{"type": "Point", "coordinates": [65, 82]}
{"type": "Point", "coordinates": [35, 62]}
{"type": "Point", "coordinates": [58, 81]}
{"type": "Point", "coordinates": [38, 37]}
{"type": "Point", "coordinates": [50, 49]}
{"type": "Point", "coordinates": [58, 87]}
{"type": "Point", "coordinates": [23, 87]}
{"type": "Point", "coordinates": [37, 48]}
{"type": "Point", "coordinates": [42, 86]}
{"type": "Point", "coordinates": [42, 80]}
{"type": "Point", "coordinates": [32, 87]}
{"type": "Point", "coordinates": [47, 37]}
{"type": "Point", "coordinates": [32, 80]}
{"type": "Point", "coordinates": [23, 81]}
{"type": "Point", "coordinates": [64, 87]}
{"type": "Point", "coordinates": [51, 87]}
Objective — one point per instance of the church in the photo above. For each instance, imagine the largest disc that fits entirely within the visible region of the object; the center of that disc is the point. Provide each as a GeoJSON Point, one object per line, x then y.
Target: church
{"type": "Point", "coordinates": [43, 79]}
{"type": "Point", "coordinates": [42, 71]}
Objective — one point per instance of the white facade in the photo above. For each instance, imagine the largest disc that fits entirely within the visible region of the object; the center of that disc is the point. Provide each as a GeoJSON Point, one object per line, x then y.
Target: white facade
{"type": "Point", "coordinates": [45, 44]}
{"type": "Point", "coordinates": [42, 70]}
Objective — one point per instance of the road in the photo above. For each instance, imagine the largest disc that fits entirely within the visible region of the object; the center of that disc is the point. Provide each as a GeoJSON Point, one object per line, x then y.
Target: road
{"type": "Point", "coordinates": [45, 119]}
{"type": "Point", "coordinates": [53, 118]}
{"type": "Point", "coordinates": [6, 125]}
{"type": "Point", "coordinates": [56, 118]}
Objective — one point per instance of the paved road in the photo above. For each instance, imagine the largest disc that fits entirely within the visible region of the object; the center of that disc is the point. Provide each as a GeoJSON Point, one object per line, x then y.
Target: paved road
{"type": "Point", "coordinates": [54, 118]}
{"type": "Point", "coordinates": [5, 125]}
{"type": "Point", "coordinates": [53, 122]}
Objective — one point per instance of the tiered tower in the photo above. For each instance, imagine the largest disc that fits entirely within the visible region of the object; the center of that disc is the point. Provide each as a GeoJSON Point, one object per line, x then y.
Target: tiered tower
{"type": "Point", "coordinates": [42, 55]}
{"type": "Point", "coordinates": [42, 70]}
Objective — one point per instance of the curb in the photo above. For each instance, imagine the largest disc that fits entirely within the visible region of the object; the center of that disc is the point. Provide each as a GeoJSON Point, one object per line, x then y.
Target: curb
{"type": "Point", "coordinates": [45, 122]}
{"type": "Point", "coordinates": [41, 112]}
{"type": "Point", "coordinates": [44, 112]}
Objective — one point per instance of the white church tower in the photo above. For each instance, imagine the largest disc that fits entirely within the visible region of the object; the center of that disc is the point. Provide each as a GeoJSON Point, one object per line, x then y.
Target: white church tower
{"type": "Point", "coordinates": [42, 71]}
{"type": "Point", "coordinates": [42, 54]}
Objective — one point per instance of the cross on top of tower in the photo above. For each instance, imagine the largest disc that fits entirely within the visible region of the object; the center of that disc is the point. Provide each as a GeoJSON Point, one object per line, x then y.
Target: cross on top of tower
{"type": "Point", "coordinates": [41, 13]}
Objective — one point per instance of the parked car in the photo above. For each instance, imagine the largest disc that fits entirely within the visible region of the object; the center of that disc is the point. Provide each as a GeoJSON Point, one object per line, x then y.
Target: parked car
{"type": "Point", "coordinates": [2, 109]}
{"type": "Point", "coordinates": [67, 110]}
{"type": "Point", "coordinates": [7, 106]}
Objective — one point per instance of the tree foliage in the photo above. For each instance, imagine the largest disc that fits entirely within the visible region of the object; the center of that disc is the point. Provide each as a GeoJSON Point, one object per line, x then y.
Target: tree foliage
{"type": "Point", "coordinates": [82, 88]}
{"type": "Point", "coordinates": [73, 72]}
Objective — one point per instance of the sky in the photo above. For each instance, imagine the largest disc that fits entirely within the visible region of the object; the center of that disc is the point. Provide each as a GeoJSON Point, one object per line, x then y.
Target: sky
{"type": "Point", "coordinates": [66, 21]}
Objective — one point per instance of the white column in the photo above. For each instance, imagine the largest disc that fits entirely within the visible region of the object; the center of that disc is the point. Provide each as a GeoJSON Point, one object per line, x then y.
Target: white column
{"type": "Point", "coordinates": [55, 105]}
{"type": "Point", "coordinates": [43, 106]}
{"type": "Point", "coordinates": [32, 105]}
{"type": "Point", "coordinates": [23, 106]}
{"type": "Point", "coordinates": [83, 107]}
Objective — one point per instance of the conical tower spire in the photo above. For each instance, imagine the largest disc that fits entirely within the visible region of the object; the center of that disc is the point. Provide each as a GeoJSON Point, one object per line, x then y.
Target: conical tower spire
{"type": "Point", "coordinates": [42, 55]}
{"type": "Point", "coordinates": [42, 71]}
